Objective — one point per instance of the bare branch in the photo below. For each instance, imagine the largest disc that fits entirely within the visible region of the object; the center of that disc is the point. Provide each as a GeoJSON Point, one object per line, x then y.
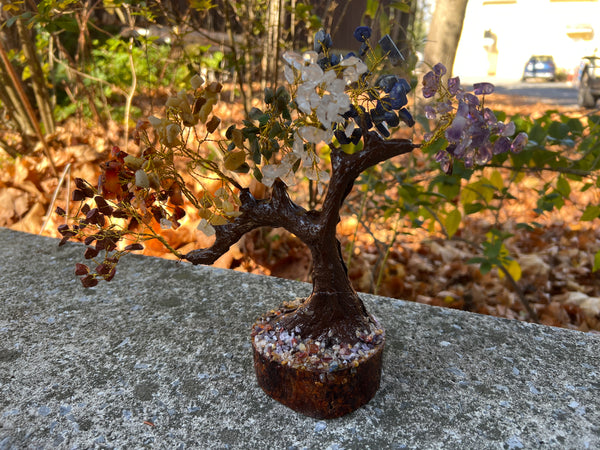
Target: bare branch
{"type": "Point", "coordinates": [378, 150]}
{"type": "Point", "coordinates": [278, 211]}
{"type": "Point", "coordinates": [345, 168]}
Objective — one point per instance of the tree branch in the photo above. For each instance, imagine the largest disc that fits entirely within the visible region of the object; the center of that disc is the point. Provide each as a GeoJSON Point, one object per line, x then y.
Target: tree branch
{"type": "Point", "coordinates": [278, 211]}
{"type": "Point", "coordinates": [377, 150]}
{"type": "Point", "coordinates": [345, 168]}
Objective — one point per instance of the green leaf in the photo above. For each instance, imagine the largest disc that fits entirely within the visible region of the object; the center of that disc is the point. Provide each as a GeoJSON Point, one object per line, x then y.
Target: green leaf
{"type": "Point", "coordinates": [423, 121]}
{"type": "Point", "coordinates": [563, 186]}
{"type": "Point", "coordinates": [500, 115]}
{"type": "Point", "coordinates": [401, 6]}
{"type": "Point", "coordinates": [302, 10]}
{"type": "Point", "coordinates": [384, 23]}
{"type": "Point", "coordinates": [389, 212]}
{"type": "Point", "coordinates": [558, 130]}
{"type": "Point", "coordinates": [372, 6]}
{"type": "Point", "coordinates": [596, 261]}
{"type": "Point", "coordinates": [452, 222]}
{"type": "Point", "coordinates": [201, 5]}
{"type": "Point", "coordinates": [315, 22]}
{"type": "Point", "coordinates": [448, 190]}
{"type": "Point", "coordinates": [537, 134]}
{"type": "Point", "coordinates": [479, 190]}
{"type": "Point", "coordinates": [9, 23]}
{"type": "Point", "coordinates": [590, 213]}
{"type": "Point", "coordinates": [435, 146]}
{"type": "Point", "coordinates": [468, 195]}
{"type": "Point", "coordinates": [473, 208]}
{"type": "Point", "coordinates": [380, 187]}
{"type": "Point", "coordinates": [575, 126]}
{"type": "Point", "coordinates": [476, 260]}
{"type": "Point", "coordinates": [523, 123]}
{"type": "Point", "coordinates": [595, 119]}
{"type": "Point", "coordinates": [549, 202]}
{"type": "Point", "coordinates": [496, 180]}
{"type": "Point", "coordinates": [66, 23]}
{"type": "Point", "coordinates": [485, 267]}
{"type": "Point", "coordinates": [524, 226]}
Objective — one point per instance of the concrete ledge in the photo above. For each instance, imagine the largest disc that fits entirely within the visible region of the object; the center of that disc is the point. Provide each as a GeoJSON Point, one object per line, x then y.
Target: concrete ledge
{"type": "Point", "coordinates": [161, 358]}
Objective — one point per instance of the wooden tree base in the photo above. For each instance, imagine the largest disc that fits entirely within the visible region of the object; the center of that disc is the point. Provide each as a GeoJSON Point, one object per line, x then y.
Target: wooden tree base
{"type": "Point", "coordinates": [313, 379]}
{"type": "Point", "coordinates": [318, 393]}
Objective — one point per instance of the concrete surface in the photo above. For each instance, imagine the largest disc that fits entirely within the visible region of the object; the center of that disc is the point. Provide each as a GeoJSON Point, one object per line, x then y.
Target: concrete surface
{"type": "Point", "coordinates": [160, 358]}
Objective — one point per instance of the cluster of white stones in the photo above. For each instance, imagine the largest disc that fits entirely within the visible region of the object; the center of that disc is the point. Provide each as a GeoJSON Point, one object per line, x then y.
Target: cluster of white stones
{"type": "Point", "coordinates": [289, 348]}
{"type": "Point", "coordinates": [318, 93]}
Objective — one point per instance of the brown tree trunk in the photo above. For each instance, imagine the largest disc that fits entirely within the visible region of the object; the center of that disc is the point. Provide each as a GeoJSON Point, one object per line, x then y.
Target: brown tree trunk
{"type": "Point", "coordinates": [334, 311]}
{"type": "Point", "coordinates": [270, 56]}
{"type": "Point", "coordinates": [444, 32]}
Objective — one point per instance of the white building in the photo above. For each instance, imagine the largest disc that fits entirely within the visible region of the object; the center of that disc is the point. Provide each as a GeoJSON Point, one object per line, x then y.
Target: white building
{"type": "Point", "coordinates": [499, 36]}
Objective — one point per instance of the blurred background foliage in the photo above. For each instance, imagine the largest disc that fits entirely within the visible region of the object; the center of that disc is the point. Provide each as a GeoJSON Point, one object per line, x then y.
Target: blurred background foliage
{"type": "Point", "coordinates": [98, 63]}
{"type": "Point", "coordinates": [86, 57]}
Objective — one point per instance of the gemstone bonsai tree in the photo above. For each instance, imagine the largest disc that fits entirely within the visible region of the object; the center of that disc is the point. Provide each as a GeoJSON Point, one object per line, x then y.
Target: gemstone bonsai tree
{"type": "Point", "coordinates": [320, 355]}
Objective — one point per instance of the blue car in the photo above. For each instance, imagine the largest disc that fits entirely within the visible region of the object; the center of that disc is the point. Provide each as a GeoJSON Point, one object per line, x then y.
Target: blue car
{"type": "Point", "coordinates": [540, 66]}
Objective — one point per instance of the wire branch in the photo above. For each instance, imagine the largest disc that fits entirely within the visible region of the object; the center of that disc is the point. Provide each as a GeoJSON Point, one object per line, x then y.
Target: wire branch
{"type": "Point", "coordinates": [346, 168]}
{"type": "Point", "coordinates": [278, 211]}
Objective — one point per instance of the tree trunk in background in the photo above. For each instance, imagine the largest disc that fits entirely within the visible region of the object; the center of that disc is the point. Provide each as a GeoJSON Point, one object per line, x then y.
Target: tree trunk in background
{"type": "Point", "coordinates": [271, 44]}
{"type": "Point", "coordinates": [444, 32]}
